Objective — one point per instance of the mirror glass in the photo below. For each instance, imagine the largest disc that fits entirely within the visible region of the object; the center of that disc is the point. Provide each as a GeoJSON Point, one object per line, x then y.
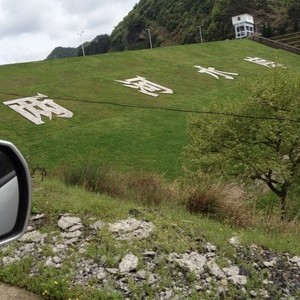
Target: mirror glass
{"type": "Point", "coordinates": [9, 195]}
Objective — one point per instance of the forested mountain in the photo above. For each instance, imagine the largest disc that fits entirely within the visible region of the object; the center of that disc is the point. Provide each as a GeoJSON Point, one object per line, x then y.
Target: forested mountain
{"type": "Point", "coordinates": [176, 22]}
{"type": "Point", "coordinates": [100, 44]}
{"type": "Point", "coordinates": [62, 52]}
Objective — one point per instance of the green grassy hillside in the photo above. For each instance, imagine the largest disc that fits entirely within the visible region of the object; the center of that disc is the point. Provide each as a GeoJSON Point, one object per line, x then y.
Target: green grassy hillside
{"type": "Point", "coordinates": [118, 125]}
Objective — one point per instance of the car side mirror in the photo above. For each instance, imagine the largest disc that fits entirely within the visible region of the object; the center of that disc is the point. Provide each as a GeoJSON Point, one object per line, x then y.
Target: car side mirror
{"type": "Point", "coordinates": [15, 193]}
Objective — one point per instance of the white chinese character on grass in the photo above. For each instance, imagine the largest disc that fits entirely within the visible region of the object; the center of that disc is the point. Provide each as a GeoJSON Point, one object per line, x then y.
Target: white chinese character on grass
{"type": "Point", "coordinates": [263, 62]}
{"type": "Point", "coordinates": [32, 108]}
{"type": "Point", "coordinates": [215, 73]}
{"type": "Point", "coordinates": [145, 86]}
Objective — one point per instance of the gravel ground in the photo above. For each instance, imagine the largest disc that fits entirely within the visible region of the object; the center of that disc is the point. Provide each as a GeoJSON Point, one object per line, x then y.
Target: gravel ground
{"type": "Point", "coordinates": [277, 276]}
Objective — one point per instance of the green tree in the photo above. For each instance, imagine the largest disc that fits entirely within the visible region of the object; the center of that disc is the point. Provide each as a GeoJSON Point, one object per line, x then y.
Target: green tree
{"type": "Point", "coordinates": [255, 140]}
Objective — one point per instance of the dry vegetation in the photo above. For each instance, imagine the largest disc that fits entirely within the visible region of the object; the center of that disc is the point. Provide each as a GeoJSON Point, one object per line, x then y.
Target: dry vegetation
{"type": "Point", "coordinates": [227, 203]}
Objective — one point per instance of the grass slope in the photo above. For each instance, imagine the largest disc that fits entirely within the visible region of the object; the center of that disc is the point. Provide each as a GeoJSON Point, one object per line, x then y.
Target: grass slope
{"type": "Point", "coordinates": [141, 138]}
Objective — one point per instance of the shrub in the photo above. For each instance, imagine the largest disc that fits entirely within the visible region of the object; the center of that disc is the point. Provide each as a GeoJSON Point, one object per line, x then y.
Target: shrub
{"type": "Point", "coordinates": [145, 188]}
{"type": "Point", "coordinates": [224, 202]}
{"type": "Point", "coordinates": [149, 189]}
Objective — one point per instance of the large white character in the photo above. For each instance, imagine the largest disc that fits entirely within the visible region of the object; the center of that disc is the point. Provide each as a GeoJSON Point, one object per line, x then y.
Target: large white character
{"type": "Point", "coordinates": [263, 62]}
{"type": "Point", "coordinates": [145, 86]}
{"type": "Point", "coordinates": [32, 108]}
{"type": "Point", "coordinates": [215, 73]}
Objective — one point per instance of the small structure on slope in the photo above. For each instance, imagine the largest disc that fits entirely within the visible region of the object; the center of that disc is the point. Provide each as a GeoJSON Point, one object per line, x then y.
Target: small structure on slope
{"type": "Point", "coordinates": [243, 25]}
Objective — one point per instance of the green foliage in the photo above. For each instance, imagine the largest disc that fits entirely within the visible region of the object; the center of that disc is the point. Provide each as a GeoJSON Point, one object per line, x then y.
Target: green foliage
{"type": "Point", "coordinates": [267, 31]}
{"type": "Point", "coordinates": [61, 52]}
{"type": "Point", "coordinates": [175, 22]}
{"type": "Point", "coordinates": [101, 44]}
{"type": "Point", "coordinates": [263, 148]}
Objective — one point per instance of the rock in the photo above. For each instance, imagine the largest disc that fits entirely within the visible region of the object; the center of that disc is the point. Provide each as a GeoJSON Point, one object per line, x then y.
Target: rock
{"type": "Point", "coordinates": [152, 279]}
{"type": "Point", "coordinates": [59, 248]}
{"type": "Point", "coordinates": [75, 228]}
{"type": "Point", "coordinates": [141, 274]}
{"type": "Point", "coordinates": [149, 253]}
{"type": "Point", "coordinates": [234, 241]}
{"type": "Point", "coordinates": [253, 294]}
{"type": "Point", "coordinates": [238, 280]}
{"type": "Point", "coordinates": [97, 225]}
{"type": "Point", "coordinates": [101, 274]}
{"type": "Point", "coordinates": [71, 235]}
{"type": "Point", "coordinates": [37, 217]}
{"type": "Point", "coordinates": [33, 236]}
{"type": "Point", "coordinates": [233, 275]}
{"type": "Point", "coordinates": [71, 241]}
{"type": "Point", "coordinates": [210, 248]}
{"type": "Point", "coordinates": [49, 262]}
{"type": "Point", "coordinates": [29, 228]}
{"type": "Point", "coordinates": [193, 261]}
{"type": "Point", "coordinates": [112, 270]}
{"type": "Point", "coordinates": [269, 264]}
{"type": "Point", "coordinates": [231, 271]}
{"type": "Point", "coordinates": [295, 260]}
{"type": "Point", "coordinates": [56, 260]}
{"type": "Point", "coordinates": [9, 260]}
{"type": "Point", "coordinates": [66, 222]}
{"type": "Point", "coordinates": [210, 254]}
{"type": "Point", "coordinates": [264, 294]}
{"type": "Point", "coordinates": [129, 263]}
{"type": "Point", "coordinates": [222, 289]}
{"type": "Point", "coordinates": [131, 228]}
{"type": "Point", "coordinates": [168, 294]}
{"type": "Point", "coordinates": [27, 248]}
{"type": "Point", "coordinates": [215, 270]}
{"type": "Point", "coordinates": [224, 282]}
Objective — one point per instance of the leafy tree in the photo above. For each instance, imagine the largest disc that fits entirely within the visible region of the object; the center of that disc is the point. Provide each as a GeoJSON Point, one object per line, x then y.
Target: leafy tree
{"type": "Point", "coordinates": [267, 31]}
{"type": "Point", "coordinates": [262, 148]}
{"type": "Point", "coordinates": [294, 13]}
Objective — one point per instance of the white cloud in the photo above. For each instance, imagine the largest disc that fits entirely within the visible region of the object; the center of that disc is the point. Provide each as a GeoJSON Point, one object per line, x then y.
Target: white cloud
{"type": "Point", "coordinates": [31, 29]}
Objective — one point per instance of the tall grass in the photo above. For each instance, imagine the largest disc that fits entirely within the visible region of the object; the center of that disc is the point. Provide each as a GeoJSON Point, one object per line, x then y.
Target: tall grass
{"type": "Point", "coordinates": [223, 201]}
{"type": "Point", "coordinates": [145, 188]}
{"type": "Point", "coordinates": [227, 203]}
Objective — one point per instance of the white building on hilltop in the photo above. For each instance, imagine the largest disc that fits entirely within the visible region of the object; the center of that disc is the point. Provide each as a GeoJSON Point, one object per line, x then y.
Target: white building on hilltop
{"type": "Point", "coordinates": [243, 25]}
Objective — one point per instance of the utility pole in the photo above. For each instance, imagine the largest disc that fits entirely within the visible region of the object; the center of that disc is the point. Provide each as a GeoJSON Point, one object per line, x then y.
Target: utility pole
{"type": "Point", "coordinates": [200, 32]}
{"type": "Point", "coordinates": [82, 47]}
{"type": "Point", "coordinates": [150, 40]}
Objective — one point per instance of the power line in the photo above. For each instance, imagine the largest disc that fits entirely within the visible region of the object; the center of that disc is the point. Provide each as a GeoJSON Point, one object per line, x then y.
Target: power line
{"type": "Point", "coordinates": [229, 114]}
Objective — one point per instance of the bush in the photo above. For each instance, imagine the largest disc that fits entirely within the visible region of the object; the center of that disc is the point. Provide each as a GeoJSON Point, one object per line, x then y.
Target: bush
{"type": "Point", "coordinates": [145, 188]}
{"type": "Point", "coordinates": [223, 202]}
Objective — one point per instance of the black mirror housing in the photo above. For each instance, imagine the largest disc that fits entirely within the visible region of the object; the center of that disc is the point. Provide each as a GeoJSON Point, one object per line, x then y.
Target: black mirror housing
{"type": "Point", "coordinates": [15, 193]}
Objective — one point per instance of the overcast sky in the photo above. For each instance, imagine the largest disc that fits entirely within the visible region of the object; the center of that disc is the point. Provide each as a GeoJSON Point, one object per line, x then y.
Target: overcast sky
{"type": "Point", "coordinates": [31, 29]}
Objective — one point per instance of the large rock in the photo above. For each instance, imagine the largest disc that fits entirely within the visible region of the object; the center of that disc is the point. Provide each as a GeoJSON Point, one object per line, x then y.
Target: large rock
{"type": "Point", "coordinates": [193, 262]}
{"type": "Point", "coordinates": [33, 236]}
{"type": "Point", "coordinates": [129, 263]}
{"type": "Point", "coordinates": [215, 270]}
{"type": "Point", "coordinates": [66, 222]}
{"type": "Point", "coordinates": [131, 228]}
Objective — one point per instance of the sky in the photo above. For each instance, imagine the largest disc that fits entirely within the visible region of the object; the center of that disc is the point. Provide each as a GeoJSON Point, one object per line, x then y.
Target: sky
{"type": "Point", "coordinates": [31, 29]}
